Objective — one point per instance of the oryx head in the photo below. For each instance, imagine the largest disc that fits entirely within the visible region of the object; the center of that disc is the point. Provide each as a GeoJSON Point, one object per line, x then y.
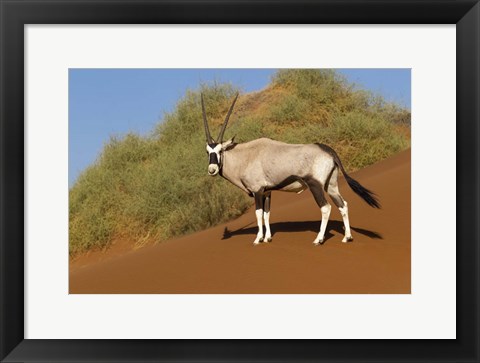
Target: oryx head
{"type": "Point", "coordinates": [215, 148]}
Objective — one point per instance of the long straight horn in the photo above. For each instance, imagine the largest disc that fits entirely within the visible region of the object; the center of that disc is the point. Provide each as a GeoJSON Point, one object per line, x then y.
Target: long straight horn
{"type": "Point", "coordinates": [205, 123]}
{"type": "Point", "coordinates": [224, 126]}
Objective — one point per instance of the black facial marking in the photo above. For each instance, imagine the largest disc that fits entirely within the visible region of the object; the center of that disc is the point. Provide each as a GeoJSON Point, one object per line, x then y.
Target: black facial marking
{"type": "Point", "coordinates": [212, 158]}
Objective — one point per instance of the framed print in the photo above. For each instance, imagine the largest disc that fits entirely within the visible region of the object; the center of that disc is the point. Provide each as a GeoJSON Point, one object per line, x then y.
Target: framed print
{"type": "Point", "coordinates": [201, 220]}
{"type": "Point", "coordinates": [195, 288]}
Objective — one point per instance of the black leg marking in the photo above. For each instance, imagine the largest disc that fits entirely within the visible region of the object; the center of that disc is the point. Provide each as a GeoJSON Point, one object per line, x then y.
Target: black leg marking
{"type": "Point", "coordinates": [266, 202]}
{"type": "Point", "coordinates": [317, 190]}
{"type": "Point", "coordinates": [259, 198]}
{"type": "Point", "coordinates": [338, 200]}
{"type": "Point", "coordinates": [327, 182]}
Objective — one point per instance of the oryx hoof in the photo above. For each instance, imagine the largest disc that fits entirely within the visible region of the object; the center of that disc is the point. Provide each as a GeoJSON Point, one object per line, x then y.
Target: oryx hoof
{"type": "Point", "coordinates": [347, 239]}
{"type": "Point", "coordinates": [319, 242]}
{"type": "Point", "coordinates": [268, 239]}
{"type": "Point", "coordinates": [257, 241]}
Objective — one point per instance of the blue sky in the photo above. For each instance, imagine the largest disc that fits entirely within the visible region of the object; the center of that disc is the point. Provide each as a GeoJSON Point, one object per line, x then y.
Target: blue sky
{"type": "Point", "coordinates": [105, 102]}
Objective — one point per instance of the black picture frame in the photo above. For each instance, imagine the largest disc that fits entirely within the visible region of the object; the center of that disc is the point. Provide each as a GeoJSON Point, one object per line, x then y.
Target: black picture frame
{"type": "Point", "coordinates": [16, 14]}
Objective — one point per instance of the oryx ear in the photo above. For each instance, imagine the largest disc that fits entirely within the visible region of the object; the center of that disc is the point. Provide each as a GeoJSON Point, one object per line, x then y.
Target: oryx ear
{"type": "Point", "coordinates": [228, 143]}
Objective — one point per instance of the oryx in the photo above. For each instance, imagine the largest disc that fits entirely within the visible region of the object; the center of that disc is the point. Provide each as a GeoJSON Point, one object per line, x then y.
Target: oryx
{"type": "Point", "coordinates": [260, 166]}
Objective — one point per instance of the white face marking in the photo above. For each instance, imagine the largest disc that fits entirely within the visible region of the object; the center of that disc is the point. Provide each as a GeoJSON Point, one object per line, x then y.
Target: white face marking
{"type": "Point", "coordinates": [213, 169]}
{"type": "Point", "coordinates": [216, 148]}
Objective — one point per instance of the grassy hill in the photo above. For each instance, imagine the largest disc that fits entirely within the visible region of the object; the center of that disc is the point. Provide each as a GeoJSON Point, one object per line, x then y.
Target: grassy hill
{"type": "Point", "coordinates": [148, 189]}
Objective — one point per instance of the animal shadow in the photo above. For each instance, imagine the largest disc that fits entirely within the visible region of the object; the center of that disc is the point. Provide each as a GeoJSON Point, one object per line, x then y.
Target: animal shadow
{"type": "Point", "coordinates": [301, 226]}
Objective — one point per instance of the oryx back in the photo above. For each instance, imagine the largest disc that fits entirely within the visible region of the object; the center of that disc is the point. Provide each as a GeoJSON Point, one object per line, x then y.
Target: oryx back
{"type": "Point", "coordinates": [274, 165]}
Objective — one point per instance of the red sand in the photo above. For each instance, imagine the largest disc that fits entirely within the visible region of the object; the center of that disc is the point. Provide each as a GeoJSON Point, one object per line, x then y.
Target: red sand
{"type": "Point", "coordinates": [222, 259]}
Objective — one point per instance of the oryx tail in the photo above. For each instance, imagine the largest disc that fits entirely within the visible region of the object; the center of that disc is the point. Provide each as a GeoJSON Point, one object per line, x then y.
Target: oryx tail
{"type": "Point", "coordinates": [367, 195]}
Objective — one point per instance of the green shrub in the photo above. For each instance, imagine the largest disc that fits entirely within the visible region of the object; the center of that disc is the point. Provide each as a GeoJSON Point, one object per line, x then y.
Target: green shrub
{"type": "Point", "coordinates": [290, 109]}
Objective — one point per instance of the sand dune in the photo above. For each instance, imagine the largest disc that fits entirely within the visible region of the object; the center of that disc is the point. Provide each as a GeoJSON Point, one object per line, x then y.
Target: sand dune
{"type": "Point", "coordinates": [223, 260]}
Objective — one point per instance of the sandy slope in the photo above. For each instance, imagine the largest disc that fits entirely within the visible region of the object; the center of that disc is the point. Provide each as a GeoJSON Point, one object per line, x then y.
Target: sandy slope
{"type": "Point", "coordinates": [223, 260]}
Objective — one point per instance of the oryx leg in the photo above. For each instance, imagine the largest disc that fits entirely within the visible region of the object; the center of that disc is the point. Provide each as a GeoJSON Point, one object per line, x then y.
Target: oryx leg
{"type": "Point", "coordinates": [259, 214]}
{"type": "Point", "coordinates": [341, 204]}
{"type": "Point", "coordinates": [266, 216]}
{"type": "Point", "coordinates": [317, 191]}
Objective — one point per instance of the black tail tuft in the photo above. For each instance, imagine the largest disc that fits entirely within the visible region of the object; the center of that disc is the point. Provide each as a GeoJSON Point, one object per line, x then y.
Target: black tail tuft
{"type": "Point", "coordinates": [367, 195]}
